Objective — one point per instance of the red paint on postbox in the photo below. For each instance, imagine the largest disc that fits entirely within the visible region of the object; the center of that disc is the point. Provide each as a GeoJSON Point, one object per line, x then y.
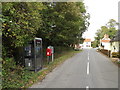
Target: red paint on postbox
{"type": "Point", "coordinates": [48, 52]}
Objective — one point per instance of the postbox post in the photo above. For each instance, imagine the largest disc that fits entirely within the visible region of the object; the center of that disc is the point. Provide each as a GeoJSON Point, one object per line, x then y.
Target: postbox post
{"type": "Point", "coordinates": [52, 53]}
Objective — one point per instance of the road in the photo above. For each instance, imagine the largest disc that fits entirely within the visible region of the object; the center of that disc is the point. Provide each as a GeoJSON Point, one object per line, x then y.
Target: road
{"type": "Point", "coordinates": [88, 69]}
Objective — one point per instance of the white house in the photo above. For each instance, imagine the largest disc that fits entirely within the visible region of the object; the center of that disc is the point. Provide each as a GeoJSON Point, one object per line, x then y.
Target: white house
{"type": "Point", "coordinates": [105, 42]}
{"type": "Point", "coordinates": [86, 43]}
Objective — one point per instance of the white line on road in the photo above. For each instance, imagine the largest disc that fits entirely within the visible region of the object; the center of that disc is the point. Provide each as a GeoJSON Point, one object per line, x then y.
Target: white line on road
{"type": "Point", "coordinates": [88, 58]}
{"type": "Point", "coordinates": [88, 68]}
{"type": "Point", "coordinates": [87, 87]}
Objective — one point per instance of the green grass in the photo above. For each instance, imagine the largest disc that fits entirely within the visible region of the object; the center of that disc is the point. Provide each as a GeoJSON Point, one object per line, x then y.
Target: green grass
{"type": "Point", "coordinates": [14, 76]}
{"type": "Point", "coordinates": [39, 76]}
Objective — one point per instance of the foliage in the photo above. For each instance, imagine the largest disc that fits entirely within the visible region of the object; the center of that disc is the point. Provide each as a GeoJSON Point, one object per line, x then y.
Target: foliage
{"type": "Point", "coordinates": [58, 52]}
{"type": "Point", "coordinates": [15, 76]}
{"type": "Point", "coordinates": [109, 29]}
{"type": "Point", "coordinates": [20, 23]}
{"type": "Point", "coordinates": [58, 24]}
{"type": "Point", "coordinates": [94, 44]}
{"type": "Point", "coordinates": [115, 54]}
{"type": "Point", "coordinates": [64, 24]}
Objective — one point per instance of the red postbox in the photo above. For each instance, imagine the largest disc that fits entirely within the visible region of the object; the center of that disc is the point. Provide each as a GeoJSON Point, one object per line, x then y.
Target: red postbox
{"type": "Point", "coordinates": [49, 52]}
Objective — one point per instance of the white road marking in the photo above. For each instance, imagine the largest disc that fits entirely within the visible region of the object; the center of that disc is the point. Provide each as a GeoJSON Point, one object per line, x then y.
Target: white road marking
{"type": "Point", "coordinates": [88, 68]}
{"type": "Point", "coordinates": [88, 58]}
{"type": "Point", "coordinates": [87, 87]}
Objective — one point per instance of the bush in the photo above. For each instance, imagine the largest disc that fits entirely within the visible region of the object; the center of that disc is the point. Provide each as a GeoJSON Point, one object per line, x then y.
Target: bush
{"type": "Point", "coordinates": [58, 51]}
{"type": "Point", "coordinates": [14, 76]}
{"type": "Point", "coordinates": [115, 54]}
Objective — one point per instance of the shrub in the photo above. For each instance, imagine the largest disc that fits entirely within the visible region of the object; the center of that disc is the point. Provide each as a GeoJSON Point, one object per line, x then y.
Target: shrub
{"type": "Point", "coordinates": [14, 76]}
{"type": "Point", "coordinates": [115, 54]}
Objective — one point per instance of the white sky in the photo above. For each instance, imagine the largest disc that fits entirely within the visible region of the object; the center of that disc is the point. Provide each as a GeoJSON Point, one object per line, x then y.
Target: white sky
{"type": "Point", "coordinates": [101, 11]}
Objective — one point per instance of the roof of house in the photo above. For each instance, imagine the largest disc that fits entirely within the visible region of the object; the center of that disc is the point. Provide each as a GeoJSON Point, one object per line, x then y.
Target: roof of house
{"type": "Point", "coordinates": [105, 40]}
{"type": "Point", "coordinates": [87, 40]}
{"type": "Point", "coordinates": [116, 37]}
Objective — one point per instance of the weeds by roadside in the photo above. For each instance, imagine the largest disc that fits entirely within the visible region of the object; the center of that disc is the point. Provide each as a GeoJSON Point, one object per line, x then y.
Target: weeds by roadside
{"type": "Point", "coordinates": [116, 61]}
{"type": "Point", "coordinates": [14, 76]}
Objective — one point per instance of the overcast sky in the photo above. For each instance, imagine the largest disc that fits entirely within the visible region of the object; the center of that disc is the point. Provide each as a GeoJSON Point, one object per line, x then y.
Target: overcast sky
{"type": "Point", "coordinates": [101, 11]}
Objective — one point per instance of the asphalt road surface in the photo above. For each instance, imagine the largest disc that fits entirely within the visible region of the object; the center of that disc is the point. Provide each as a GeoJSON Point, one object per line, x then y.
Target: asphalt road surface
{"type": "Point", "coordinates": [88, 69]}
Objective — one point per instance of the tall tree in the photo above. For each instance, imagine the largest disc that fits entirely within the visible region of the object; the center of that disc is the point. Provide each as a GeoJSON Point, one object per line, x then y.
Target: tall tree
{"type": "Point", "coordinates": [109, 29]}
{"type": "Point", "coordinates": [21, 22]}
{"type": "Point", "coordinates": [60, 23]}
{"type": "Point", "coordinates": [64, 24]}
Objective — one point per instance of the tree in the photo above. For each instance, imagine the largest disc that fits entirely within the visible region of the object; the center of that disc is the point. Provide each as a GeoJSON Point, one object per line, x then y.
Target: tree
{"type": "Point", "coordinates": [94, 44]}
{"type": "Point", "coordinates": [21, 22]}
{"type": "Point", "coordinates": [109, 29]}
{"type": "Point", "coordinates": [59, 23]}
{"type": "Point", "coordinates": [64, 24]}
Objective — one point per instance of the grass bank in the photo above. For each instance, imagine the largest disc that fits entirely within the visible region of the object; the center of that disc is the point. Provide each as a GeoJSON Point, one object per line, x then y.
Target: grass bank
{"type": "Point", "coordinates": [39, 76]}
{"type": "Point", "coordinates": [116, 61]}
{"type": "Point", "coordinates": [14, 76]}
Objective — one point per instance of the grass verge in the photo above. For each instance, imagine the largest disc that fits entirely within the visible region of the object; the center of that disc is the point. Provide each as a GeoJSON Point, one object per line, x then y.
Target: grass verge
{"type": "Point", "coordinates": [15, 76]}
{"type": "Point", "coordinates": [116, 61]}
{"type": "Point", "coordinates": [39, 76]}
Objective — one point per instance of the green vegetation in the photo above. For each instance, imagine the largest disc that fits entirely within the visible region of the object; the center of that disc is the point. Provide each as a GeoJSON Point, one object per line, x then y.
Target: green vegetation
{"type": "Point", "coordinates": [15, 76]}
{"type": "Point", "coordinates": [58, 24]}
{"type": "Point", "coordinates": [115, 55]}
{"type": "Point", "coordinates": [20, 24]}
{"type": "Point", "coordinates": [109, 29]}
{"type": "Point", "coordinates": [94, 44]}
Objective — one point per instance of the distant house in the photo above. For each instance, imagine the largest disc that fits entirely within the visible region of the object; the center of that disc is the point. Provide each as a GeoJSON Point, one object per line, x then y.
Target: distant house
{"type": "Point", "coordinates": [86, 43]}
{"type": "Point", "coordinates": [105, 42]}
{"type": "Point", "coordinates": [115, 43]}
